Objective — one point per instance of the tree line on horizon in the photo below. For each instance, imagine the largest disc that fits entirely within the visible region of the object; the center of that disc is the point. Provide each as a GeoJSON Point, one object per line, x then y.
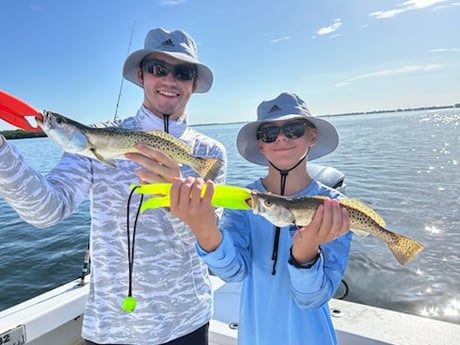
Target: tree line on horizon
{"type": "Point", "coordinates": [21, 134]}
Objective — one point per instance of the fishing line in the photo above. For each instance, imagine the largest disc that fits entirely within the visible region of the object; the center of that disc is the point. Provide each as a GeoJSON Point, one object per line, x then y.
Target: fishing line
{"type": "Point", "coordinates": [129, 302]}
{"type": "Point", "coordinates": [122, 79]}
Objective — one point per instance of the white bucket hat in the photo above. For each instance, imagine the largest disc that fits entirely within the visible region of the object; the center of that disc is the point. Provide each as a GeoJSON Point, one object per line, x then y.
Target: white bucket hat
{"type": "Point", "coordinates": [286, 106]}
{"type": "Point", "coordinates": [177, 44]}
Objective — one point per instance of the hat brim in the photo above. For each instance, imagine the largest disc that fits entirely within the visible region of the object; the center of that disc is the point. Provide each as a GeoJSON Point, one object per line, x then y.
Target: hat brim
{"type": "Point", "coordinates": [248, 146]}
{"type": "Point", "coordinates": [133, 61]}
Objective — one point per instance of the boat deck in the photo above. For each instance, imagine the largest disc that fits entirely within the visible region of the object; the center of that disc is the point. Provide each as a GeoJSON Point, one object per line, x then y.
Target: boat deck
{"type": "Point", "coordinates": [356, 324]}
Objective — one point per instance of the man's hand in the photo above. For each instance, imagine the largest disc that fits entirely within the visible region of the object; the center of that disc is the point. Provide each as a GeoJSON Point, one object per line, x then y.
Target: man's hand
{"type": "Point", "coordinates": [157, 167]}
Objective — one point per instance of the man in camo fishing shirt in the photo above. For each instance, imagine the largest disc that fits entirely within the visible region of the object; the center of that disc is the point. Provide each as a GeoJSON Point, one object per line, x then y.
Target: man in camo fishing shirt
{"type": "Point", "coordinates": [162, 272]}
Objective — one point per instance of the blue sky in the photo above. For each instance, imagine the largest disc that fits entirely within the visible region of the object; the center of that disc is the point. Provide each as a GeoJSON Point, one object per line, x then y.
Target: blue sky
{"type": "Point", "coordinates": [339, 56]}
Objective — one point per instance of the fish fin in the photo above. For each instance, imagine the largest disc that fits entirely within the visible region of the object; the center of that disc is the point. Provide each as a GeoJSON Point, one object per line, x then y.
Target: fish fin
{"type": "Point", "coordinates": [101, 158]}
{"type": "Point", "coordinates": [360, 233]}
{"type": "Point", "coordinates": [404, 248]}
{"type": "Point", "coordinates": [359, 206]}
{"type": "Point", "coordinates": [208, 168]}
{"type": "Point", "coordinates": [166, 136]}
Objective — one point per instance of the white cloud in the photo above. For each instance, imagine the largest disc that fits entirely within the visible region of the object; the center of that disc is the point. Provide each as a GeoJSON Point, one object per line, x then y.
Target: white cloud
{"type": "Point", "coordinates": [409, 69]}
{"type": "Point", "coordinates": [402, 70]}
{"type": "Point", "coordinates": [281, 39]}
{"type": "Point", "coordinates": [445, 50]}
{"type": "Point", "coordinates": [408, 6]}
{"type": "Point", "coordinates": [171, 2]}
{"type": "Point", "coordinates": [335, 35]}
{"type": "Point", "coordinates": [330, 29]}
{"type": "Point", "coordinates": [386, 14]}
{"type": "Point", "coordinates": [413, 4]}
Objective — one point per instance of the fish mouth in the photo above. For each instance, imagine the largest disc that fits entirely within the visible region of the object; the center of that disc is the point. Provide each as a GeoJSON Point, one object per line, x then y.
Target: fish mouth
{"type": "Point", "coordinates": [253, 201]}
{"type": "Point", "coordinates": [40, 119]}
{"type": "Point", "coordinates": [44, 120]}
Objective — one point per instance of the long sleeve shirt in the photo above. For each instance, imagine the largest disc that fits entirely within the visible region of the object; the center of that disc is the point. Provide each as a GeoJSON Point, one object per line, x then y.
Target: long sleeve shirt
{"type": "Point", "coordinates": [169, 280]}
{"type": "Point", "coordinates": [290, 307]}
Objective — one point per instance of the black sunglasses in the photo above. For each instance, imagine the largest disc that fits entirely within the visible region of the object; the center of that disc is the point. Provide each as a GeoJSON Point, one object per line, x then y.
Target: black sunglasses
{"type": "Point", "coordinates": [291, 130]}
{"type": "Point", "coordinates": [182, 72]}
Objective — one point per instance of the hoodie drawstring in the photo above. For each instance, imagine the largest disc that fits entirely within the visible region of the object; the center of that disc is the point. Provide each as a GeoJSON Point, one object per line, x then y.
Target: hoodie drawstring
{"type": "Point", "coordinates": [166, 122]}
{"type": "Point", "coordinates": [129, 302]}
{"type": "Point", "coordinates": [284, 174]}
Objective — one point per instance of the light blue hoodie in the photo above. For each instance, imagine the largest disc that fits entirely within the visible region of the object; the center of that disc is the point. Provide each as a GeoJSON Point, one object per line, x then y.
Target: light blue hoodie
{"type": "Point", "coordinates": [290, 307]}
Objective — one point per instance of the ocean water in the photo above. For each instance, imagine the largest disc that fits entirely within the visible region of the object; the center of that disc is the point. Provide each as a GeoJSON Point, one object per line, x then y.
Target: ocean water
{"type": "Point", "coordinates": [406, 165]}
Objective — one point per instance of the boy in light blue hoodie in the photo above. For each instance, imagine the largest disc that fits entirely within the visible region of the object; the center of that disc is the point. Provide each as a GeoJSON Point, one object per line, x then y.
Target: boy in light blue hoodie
{"type": "Point", "coordinates": [289, 274]}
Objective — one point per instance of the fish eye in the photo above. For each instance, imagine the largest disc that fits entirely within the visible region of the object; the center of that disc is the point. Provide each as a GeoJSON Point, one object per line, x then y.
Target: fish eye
{"type": "Point", "coordinates": [60, 121]}
{"type": "Point", "coordinates": [267, 203]}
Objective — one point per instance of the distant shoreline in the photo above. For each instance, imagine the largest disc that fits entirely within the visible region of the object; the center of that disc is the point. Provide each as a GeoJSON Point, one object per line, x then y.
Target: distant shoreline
{"type": "Point", "coordinates": [398, 110]}
{"type": "Point", "coordinates": [21, 134]}
{"type": "Point", "coordinates": [440, 107]}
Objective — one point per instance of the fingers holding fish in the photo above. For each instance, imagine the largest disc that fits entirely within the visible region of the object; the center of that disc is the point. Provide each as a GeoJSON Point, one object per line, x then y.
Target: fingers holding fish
{"type": "Point", "coordinates": [329, 222]}
{"type": "Point", "coordinates": [341, 219]}
{"type": "Point", "coordinates": [193, 207]}
{"type": "Point", "coordinates": [186, 193]}
{"type": "Point", "coordinates": [189, 203]}
{"type": "Point", "coordinates": [156, 165]}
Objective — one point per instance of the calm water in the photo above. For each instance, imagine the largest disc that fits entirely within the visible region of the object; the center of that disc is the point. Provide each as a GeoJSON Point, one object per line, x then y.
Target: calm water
{"type": "Point", "coordinates": [404, 165]}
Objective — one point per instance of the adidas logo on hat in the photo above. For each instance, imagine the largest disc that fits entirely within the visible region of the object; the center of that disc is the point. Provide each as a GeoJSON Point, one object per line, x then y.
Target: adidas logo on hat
{"type": "Point", "coordinates": [168, 42]}
{"type": "Point", "coordinates": [274, 108]}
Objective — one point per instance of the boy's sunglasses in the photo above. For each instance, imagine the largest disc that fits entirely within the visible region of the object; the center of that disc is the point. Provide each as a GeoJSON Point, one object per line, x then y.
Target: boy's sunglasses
{"type": "Point", "coordinates": [182, 72]}
{"type": "Point", "coordinates": [291, 130]}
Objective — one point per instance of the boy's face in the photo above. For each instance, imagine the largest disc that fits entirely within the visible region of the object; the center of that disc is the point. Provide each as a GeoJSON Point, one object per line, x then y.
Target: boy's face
{"type": "Point", "coordinates": [284, 143]}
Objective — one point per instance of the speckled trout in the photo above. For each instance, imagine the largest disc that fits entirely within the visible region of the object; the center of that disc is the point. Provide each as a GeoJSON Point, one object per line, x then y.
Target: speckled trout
{"type": "Point", "coordinates": [282, 211]}
{"type": "Point", "coordinates": [109, 143]}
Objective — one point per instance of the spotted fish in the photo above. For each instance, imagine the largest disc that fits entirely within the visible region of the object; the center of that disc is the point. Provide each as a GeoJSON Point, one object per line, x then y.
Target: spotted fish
{"type": "Point", "coordinates": [282, 211]}
{"type": "Point", "coordinates": [107, 144]}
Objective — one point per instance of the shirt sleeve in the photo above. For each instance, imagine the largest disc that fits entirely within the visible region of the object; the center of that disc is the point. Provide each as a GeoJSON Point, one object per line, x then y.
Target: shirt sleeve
{"type": "Point", "coordinates": [231, 259]}
{"type": "Point", "coordinates": [314, 286]}
{"type": "Point", "coordinates": [43, 200]}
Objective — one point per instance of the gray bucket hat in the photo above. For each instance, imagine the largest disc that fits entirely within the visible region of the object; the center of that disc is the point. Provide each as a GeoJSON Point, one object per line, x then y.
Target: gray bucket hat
{"type": "Point", "coordinates": [286, 106]}
{"type": "Point", "coordinates": [177, 44]}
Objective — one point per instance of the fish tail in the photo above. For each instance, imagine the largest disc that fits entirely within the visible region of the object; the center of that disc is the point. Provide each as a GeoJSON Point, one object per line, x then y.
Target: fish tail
{"type": "Point", "coordinates": [404, 248]}
{"type": "Point", "coordinates": [208, 168]}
